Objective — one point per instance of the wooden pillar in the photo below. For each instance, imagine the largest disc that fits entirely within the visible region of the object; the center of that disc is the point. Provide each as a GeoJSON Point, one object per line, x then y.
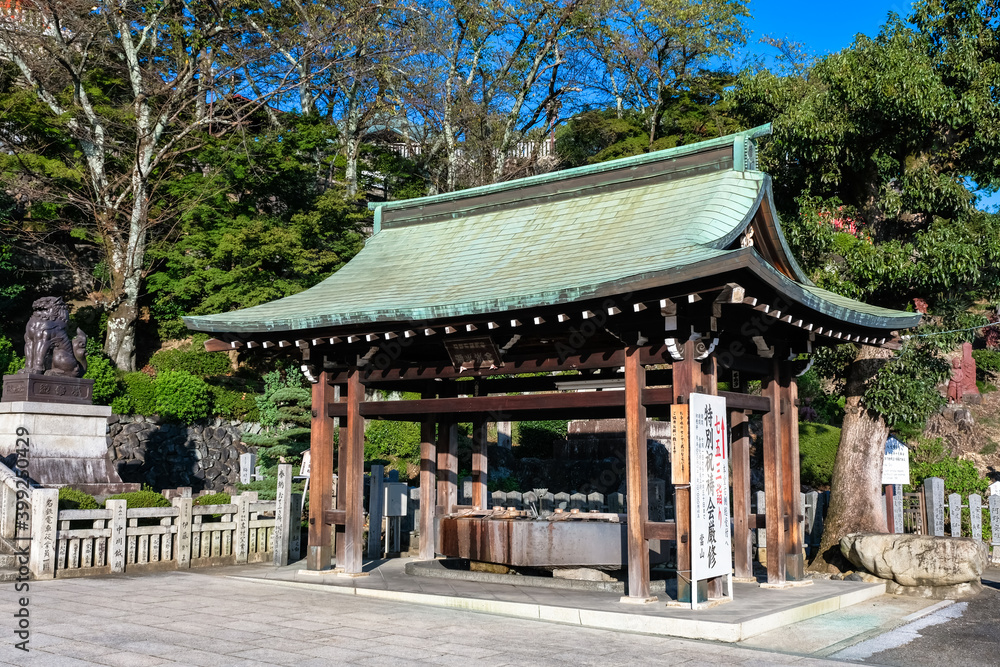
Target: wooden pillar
{"type": "Point", "coordinates": [339, 539]}
{"type": "Point", "coordinates": [774, 487]}
{"type": "Point", "coordinates": [352, 472]}
{"type": "Point", "coordinates": [479, 462]}
{"type": "Point", "coordinates": [321, 481]}
{"type": "Point", "coordinates": [428, 488]}
{"type": "Point", "coordinates": [792, 491]}
{"type": "Point", "coordinates": [740, 449]}
{"type": "Point", "coordinates": [686, 375]}
{"type": "Point", "coordinates": [636, 481]}
{"type": "Point", "coordinates": [447, 466]}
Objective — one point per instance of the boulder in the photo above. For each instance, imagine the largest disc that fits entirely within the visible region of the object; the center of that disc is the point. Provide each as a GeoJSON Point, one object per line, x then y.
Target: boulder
{"type": "Point", "coordinates": [917, 560]}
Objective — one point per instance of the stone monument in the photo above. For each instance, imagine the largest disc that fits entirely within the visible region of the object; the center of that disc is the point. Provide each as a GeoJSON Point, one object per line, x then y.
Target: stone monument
{"type": "Point", "coordinates": [49, 404]}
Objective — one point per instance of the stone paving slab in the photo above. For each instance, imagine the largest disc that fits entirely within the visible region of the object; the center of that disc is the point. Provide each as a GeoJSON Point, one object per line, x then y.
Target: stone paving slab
{"type": "Point", "coordinates": [404, 633]}
{"type": "Point", "coordinates": [754, 610]}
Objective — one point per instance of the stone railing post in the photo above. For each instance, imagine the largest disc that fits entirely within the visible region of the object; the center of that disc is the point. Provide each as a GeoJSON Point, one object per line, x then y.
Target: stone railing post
{"type": "Point", "coordinates": [995, 526]}
{"type": "Point", "coordinates": [242, 546]}
{"type": "Point", "coordinates": [934, 505]}
{"type": "Point", "coordinates": [761, 532]}
{"type": "Point", "coordinates": [119, 524]}
{"type": "Point", "coordinates": [184, 524]}
{"type": "Point", "coordinates": [282, 514]}
{"type": "Point", "coordinates": [44, 511]}
{"type": "Point", "coordinates": [955, 514]}
{"type": "Point", "coordinates": [976, 516]}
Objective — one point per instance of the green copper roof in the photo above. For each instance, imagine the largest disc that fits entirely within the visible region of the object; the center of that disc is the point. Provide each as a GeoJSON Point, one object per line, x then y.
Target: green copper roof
{"type": "Point", "coordinates": [550, 239]}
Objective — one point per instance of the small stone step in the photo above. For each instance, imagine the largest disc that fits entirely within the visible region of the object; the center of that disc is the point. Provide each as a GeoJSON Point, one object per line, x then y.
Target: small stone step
{"type": "Point", "coordinates": [7, 575]}
{"type": "Point", "coordinates": [8, 562]}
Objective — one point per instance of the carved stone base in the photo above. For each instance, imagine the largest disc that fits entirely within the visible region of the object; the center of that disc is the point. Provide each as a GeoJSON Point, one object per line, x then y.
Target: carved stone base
{"type": "Point", "coordinates": [47, 389]}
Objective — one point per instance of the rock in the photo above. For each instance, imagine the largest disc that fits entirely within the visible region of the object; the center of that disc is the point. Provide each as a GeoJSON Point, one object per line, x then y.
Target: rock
{"type": "Point", "coordinates": [917, 560]}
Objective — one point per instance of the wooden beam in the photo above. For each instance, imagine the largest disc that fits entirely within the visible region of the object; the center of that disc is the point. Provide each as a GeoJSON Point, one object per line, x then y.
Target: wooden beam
{"type": "Point", "coordinates": [740, 451]}
{"type": "Point", "coordinates": [660, 530]}
{"type": "Point", "coordinates": [773, 480]}
{"type": "Point", "coordinates": [428, 488]}
{"type": "Point", "coordinates": [352, 469]}
{"type": "Point", "coordinates": [319, 555]}
{"type": "Point", "coordinates": [526, 405]}
{"type": "Point", "coordinates": [479, 462]}
{"type": "Point", "coordinates": [636, 481]}
{"type": "Point", "coordinates": [335, 517]}
{"type": "Point", "coordinates": [216, 345]}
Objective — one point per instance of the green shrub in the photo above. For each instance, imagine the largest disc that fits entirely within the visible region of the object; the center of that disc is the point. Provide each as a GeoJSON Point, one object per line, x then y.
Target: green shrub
{"type": "Point", "coordinates": [7, 353]}
{"type": "Point", "coordinates": [233, 403]}
{"type": "Point", "coordinates": [213, 499]}
{"type": "Point", "coordinates": [385, 439]}
{"type": "Point", "coordinates": [139, 395]}
{"type": "Point", "coordinates": [145, 498]}
{"type": "Point", "coordinates": [987, 363]}
{"type": "Point", "coordinates": [536, 437]}
{"type": "Point", "coordinates": [106, 383]}
{"type": "Point", "coordinates": [193, 359]}
{"type": "Point", "coordinates": [181, 396]}
{"type": "Point", "coordinates": [73, 499]}
{"type": "Point", "coordinates": [16, 364]}
{"type": "Point", "coordinates": [817, 449]}
{"type": "Point", "coordinates": [929, 458]}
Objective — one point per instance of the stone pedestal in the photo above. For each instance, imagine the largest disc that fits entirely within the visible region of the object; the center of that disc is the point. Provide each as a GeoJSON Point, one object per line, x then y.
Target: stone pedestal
{"type": "Point", "coordinates": [48, 389]}
{"type": "Point", "coordinates": [67, 444]}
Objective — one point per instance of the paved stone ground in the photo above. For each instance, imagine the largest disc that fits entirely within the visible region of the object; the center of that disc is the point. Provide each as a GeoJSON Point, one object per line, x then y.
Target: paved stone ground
{"type": "Point", "coordinates": [188, 618]}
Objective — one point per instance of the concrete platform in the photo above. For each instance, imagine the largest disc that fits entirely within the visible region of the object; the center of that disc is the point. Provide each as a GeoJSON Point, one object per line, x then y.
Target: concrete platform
{"type": "Point", "coordinates": [753, 611]}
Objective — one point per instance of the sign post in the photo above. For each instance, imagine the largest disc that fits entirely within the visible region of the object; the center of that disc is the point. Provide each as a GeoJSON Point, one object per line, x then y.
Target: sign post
{"type": "Point", "coordinates": [711, 523]}
{"type": "Point", "coordinates": [895, 473]}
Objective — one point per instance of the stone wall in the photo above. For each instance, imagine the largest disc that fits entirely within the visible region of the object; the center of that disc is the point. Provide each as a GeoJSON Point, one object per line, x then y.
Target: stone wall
{"type": "Point", "coordinates": [204, 455]}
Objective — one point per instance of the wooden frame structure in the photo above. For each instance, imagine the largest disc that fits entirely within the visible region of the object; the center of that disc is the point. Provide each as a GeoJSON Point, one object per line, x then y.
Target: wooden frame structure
{"type": "Point", "coordinates": [702, 291]}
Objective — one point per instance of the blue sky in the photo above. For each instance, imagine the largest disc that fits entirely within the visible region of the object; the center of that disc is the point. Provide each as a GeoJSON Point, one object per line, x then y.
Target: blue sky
{"type": "Point", "coordinates": [825, 27]}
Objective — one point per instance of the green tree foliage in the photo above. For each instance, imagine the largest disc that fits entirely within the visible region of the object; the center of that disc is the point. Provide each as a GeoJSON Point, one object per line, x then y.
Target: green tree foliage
{"type": "Point", "coordinates": [261, 220]}
{"type": "Point", "coordinates": [144, 498]}
{"type": "Point", "coordinates": [872, 153]}
{"type": "Point", "coordinates": [536, 438]}
{"type": "Point", "coordinates": [285, 409]}
{"type": "Point", "coordinates": [930, 458]}
{"type": "Point", "coordinates": [106, 383]}
{"type": "Point", "coordinates": [388, 440]}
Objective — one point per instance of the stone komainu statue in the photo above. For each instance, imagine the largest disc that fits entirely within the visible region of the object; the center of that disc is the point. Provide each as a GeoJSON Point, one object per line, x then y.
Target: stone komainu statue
{"type": "Point", "coordinates": [47, 346]}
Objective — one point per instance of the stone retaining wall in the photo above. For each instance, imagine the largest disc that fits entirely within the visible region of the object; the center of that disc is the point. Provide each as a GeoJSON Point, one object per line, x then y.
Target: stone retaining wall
{"type": "Point", "coordinates": [204, 455]}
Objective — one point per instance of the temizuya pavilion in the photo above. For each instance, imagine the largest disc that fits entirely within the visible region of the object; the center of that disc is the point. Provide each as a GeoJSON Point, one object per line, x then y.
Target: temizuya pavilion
{"type": "Point", "coordinates": [673, 260]}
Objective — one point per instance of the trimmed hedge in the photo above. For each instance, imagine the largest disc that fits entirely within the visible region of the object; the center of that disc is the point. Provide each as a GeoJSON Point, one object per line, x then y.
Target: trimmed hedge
{"type": "Point", "coordinates": [144, 498]}
{"type": "Point", "coordinates": [182, 396]}
{"type": "Point", "coordinates": [74, 499]}
{"type": "Point", "coordinates": [219, 498]}
{"type": "Point", "coordinates": [818, 450]}
{"type": "Point", "coordinates": [385, 439]}
{"type": "Point", "coordinates": [192, 359]}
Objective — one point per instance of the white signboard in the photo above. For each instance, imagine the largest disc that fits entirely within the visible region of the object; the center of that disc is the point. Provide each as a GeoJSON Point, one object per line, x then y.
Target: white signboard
{"type": "Point", "coordinates": [994, 489]}
{"type": "Point", "coordinates": [396, 494]}
{"type": "Point", "coordinates": [896, 464]}
{"type": "Point", "coordinates": [306, 461]}
{"type": "Point", "coordinates": [711, 549]}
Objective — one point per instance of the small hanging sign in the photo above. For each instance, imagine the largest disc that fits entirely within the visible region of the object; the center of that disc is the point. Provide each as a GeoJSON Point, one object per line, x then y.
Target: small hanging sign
{"type": "Point", "coordinates": [470, 353]}
{"type": "Point", "coordinates": [680, 460]}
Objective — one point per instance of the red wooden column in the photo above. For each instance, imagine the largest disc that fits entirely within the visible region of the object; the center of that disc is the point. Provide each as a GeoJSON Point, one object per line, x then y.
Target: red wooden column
{"type": "Point", "coordinates": [428, 488]}
{"type": "Point", "coordinates": [321, 483]}
{"type": "Point", "coordinates": [791, 495]}
{"type": "Point", "coordinates": [740, 451]}
{"type": "Point", "coordinates": [774, 487]}
{"type": "Point", "coordinates": [479, 461]}
{"type": "Point", "coordinates": [352, 471]}
{"type": "Point", "coordinates": [636, 481]}
{"type": "Point", "coordinates": [447, 466]}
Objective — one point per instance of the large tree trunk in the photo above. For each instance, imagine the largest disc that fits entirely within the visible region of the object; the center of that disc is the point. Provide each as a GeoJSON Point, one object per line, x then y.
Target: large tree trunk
{"type": "Point", "coordinates": [855, 495]}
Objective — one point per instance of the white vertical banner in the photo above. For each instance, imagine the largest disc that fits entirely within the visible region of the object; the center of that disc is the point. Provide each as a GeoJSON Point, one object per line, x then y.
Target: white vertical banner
{"type": "Point", "coordinates": [711, 529]}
